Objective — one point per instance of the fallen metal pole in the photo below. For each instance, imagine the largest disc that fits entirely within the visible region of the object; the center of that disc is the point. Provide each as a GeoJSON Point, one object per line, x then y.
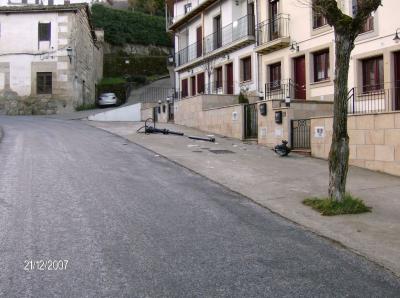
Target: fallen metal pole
{"type": "Point", "coordinates": [152, 129]}
{"type": "Point", "coordinates": [208, 139]}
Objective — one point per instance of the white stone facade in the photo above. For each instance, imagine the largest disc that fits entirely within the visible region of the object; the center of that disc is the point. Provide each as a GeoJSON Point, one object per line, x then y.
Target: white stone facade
{"type": "Point", "coordinates": [25, 57]}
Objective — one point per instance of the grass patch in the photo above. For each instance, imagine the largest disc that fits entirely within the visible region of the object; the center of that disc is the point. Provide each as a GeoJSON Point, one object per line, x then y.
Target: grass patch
{"type": "Point", "coordinates": [84, 107]}
{"type": "Point", "coordinates": [330, 207]}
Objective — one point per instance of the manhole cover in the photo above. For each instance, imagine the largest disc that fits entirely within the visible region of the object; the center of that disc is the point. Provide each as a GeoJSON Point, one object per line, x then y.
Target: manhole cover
{"type": "Point", "coordinates": [197, 151]}
{"type": "Point", "coordinates": [221, 151]}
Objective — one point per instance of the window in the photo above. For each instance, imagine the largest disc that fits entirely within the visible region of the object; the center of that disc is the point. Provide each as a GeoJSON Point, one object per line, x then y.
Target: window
{"type": "Point", "coordinates": [44, 31]}
{"type": "Point", "coordinates": [321, 66]}
{"type": "Point", "coordinates": [318, 19]}
{"type": "Point", "coordinates": [44, 82]}
{"type": "Point", "coordinates": [187, 7]}
{"type": "Point", "coordinates": [66, 2]}
{"type": "Point", "coordinates": [24, 1]}
{"type": "Point", "coordinates": [275, 76]}
{"type": "Point", "coordinates": [200, 83]}
{"type": "Point", "coordinates": [372, 71]}
{"type": "Point", "coordinates": [246, 69]}
{"type": "Point", "coordinates": [185, 88]}
{"type": "Point", "coordinates": [50, 2]}
{"type": "Point", "coordinates": [218, 77]}
{"type": "Point", "coordinates": [369, 24]}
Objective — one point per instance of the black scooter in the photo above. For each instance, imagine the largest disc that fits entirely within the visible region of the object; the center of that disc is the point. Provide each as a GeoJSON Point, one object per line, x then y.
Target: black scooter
{"type": "Point", "coordinates": [282, 150]}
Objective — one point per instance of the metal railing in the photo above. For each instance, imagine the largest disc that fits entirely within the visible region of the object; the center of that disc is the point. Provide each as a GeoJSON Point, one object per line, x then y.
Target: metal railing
{"type": "Point", "coordinates": [189, 53]}
{"type": "Point", "coordinates": [239, 29]}
{"type": "Point", "coordinates": [372, 101]}
{"type": "Point", "coordinates": [279, 90]}
{"type": "Point", "coordinates": [221, 87]}
{"type": "Point", "coordinates": [155, 94]}
{"type": "Point", "coordinates": [273, 29]}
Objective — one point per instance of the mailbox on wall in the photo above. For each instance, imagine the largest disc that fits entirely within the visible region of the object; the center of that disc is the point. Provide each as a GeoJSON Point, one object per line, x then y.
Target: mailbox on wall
{"type": "Point", "coordinates": [278, 117]}
{"type": "Point", "coordinates": [263, 109]}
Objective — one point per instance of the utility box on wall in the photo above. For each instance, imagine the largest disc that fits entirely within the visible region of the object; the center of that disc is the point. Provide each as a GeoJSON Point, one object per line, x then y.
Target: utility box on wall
{"type": "Point", "coordinates": [278, 117]}
{"type": "Point", "coordinates": [263, 109]}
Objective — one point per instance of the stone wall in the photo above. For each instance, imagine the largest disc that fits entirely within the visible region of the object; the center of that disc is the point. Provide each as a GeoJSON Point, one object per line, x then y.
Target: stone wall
{"type": "Point", "coordinates": [271, 133]}
{"type": "Point", "coordinates": [223, 120]}
{"type": "Point", "coordinates": [374, 141]}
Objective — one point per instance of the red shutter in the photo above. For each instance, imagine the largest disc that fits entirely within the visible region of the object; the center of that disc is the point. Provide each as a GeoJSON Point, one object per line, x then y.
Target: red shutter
{"type": "Point", "coordinates": [200, 83]}
{"type": "Point", "coordinates": [184, 88]}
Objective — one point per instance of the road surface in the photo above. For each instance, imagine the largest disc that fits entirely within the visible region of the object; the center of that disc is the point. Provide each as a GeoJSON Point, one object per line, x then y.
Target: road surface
{"type": "Point", "coordinates": [120, 221]}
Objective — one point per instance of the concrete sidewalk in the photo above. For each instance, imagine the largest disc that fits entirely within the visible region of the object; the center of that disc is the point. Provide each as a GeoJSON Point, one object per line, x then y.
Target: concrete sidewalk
{"type": "Point", "coordinates": [280, 184]}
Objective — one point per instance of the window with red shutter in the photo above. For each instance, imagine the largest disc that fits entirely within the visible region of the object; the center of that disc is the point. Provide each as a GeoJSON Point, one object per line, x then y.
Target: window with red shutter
{"type": "Point", "coordinates": [372, 71]}
{"type": "Point", "coordinates": [246, 69]}
{"type": "Point", "coordinates": [275, 76]}
{"type": "Point", "coordinates": [200, 83]}
{"type": "Point", "coordinates": [185, 88]}
{"type": "Point", "coordinates": [321, 66]}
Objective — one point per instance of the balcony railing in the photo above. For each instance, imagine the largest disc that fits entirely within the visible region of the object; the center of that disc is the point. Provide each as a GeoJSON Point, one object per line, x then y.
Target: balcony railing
{"type": "Point", "coordinates": [237, 30]}
{"type": "Point", "coordinates": [279, 90]}
{"type": "Point", "coordinates": [366, 100]}
{"type": "Point", "coordinates": [189, 53]}
{"type": "Point", "coordinates": [273, 29]}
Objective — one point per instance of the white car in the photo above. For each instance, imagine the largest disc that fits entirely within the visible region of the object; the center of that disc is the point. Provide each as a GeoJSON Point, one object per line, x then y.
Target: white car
{"type": "Point", "coordinates": [107, 99]}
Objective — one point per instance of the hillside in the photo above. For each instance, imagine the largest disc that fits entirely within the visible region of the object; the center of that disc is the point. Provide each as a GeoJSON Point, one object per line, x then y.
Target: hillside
{"type": "Point", "coordinates": [125, 27]}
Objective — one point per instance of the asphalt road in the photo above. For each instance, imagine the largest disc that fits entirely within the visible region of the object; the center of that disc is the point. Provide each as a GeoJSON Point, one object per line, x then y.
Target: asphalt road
{"type": "Point", "coordinates": [133, 224]}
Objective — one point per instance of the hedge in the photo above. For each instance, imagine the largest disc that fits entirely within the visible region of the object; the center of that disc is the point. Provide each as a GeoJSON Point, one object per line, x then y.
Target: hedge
{"type": "Point", "coordinates": [122, 27]}
{"type": "Point", "coordinates": [115, 65]}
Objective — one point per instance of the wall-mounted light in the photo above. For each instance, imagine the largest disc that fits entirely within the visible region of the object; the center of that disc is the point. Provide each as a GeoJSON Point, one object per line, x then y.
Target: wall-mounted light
{"type": "Point", "coordinates": [170, 59]}
{"type": "Point", "coordinates": [69, 53]}
{"type": "Point", "coordinates": [288, 100]}
{"type": "Point", "coordinates": [295, 46]}
{"type": "Point", "coordinates": [396, 36]}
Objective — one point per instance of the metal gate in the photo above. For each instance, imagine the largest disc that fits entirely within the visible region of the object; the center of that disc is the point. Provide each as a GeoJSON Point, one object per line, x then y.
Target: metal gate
{"type": "Point", "coordinates": [251, 121]}
{"type": "Point", "coordinates": [301, 130]}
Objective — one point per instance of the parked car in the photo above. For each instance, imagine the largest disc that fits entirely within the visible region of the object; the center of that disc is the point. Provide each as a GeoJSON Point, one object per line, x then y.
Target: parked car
{"type": "Point", "coordinates": [107, 99]}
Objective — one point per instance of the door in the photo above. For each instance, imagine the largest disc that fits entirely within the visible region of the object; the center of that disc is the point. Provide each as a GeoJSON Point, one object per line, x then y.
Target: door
{"type": "Point", "coordinates": [199, 35]}
{"type": "Point", "coordinates": [217, 33]}
{"type": "Point", "coordinates": [273, 15]}
{"type": "Point", "coordinates": [251, 19]}
{"type": "Point", "coordinates": [301, 130]}
{"type": "Point", "coordinates": [300, 78]}
{"type": "Point", "coordinates": [193, 86]}
{"type": "Point", "coordinates": [229, 78]}
{"type": "Point", "coordinates": [397, 81]}
{"type": "Point", "coordinates": [250, 121]}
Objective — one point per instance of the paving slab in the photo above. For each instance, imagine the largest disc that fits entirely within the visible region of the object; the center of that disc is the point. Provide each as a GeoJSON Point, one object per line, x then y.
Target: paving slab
{"type": "Point", "coordinates": [280, 184]}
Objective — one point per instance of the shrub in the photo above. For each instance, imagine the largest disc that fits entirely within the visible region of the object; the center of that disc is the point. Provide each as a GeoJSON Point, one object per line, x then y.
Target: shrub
{"type": "Point", "coordinates": [115, 65]}
{"type": "Point", "coordinates": [122, 27]}
{"type": "Point", "coordinates": [243, 98]}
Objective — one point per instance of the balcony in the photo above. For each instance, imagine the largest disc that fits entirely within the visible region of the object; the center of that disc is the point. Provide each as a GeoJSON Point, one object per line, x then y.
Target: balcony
{"type": "Point", "coordinates": [374, 99]}
{"type": "Point", "coordinates": [230, 38]}
{"type": "Point", "coordinates": [189, 54]}
{"type": "Point", "coordinates": [273, 35]}
{"type": "Point", "coordinates": [175, 21]}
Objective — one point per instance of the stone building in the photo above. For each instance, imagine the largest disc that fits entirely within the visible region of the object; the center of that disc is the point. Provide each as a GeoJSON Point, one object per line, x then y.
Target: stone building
{"type": "Point", "coordinates": [50, 58]}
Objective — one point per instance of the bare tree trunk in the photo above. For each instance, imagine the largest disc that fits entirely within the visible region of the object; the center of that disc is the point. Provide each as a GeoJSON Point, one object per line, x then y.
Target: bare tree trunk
{"type": "Point", "coordinates": [339, 153]}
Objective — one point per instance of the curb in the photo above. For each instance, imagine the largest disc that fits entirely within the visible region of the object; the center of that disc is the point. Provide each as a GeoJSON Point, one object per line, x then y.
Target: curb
{"type": "Point", "coordinates": [335, 242]}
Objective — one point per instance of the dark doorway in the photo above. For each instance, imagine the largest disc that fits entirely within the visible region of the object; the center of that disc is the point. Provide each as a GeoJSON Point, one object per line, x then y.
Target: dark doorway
{"type": "Point", "coordinates": [273, 15]}
{"type": "Point", "coordinates": [199, 41]}
{"type": "Point", "coordinates": [251, 19]}
{"type": "Point", "coordinates": [397, 81]}
{"type": "Point", "coordinates": [229, 78]}
{"type": "Point", "coordinates": [193, 86]}
{"type": "Point", "coordinates": [250, 121]}
{"type": "Point", "coordinates": [300, 78]}
{"type": "Point", "coordinates": [217, 32]}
